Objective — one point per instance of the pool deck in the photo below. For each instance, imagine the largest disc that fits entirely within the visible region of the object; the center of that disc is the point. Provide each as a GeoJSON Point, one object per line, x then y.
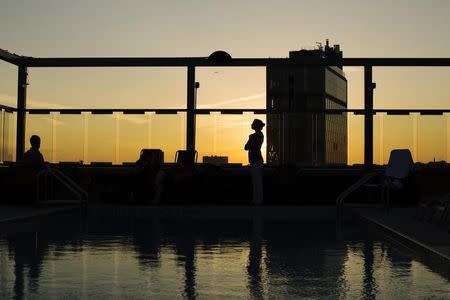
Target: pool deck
{"type": "Point", "coordinates": [429, 241]}
{"type": "Point", "coordinates": [19, 213]}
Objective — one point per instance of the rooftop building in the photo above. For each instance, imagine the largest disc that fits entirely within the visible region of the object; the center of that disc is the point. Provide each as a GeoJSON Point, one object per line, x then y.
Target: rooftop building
{"type": "Point", "coordinates": [298, 130]}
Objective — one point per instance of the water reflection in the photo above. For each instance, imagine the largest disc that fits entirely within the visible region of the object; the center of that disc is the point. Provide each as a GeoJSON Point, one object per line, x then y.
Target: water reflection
{"type": "Point", "coordinates": [185, 250]}
{"type": "Point", "coordinates": [370, 286]}
{"type": "Point", "coordinates": [127, 257]}
{"type": "Point", "coordinates": [254, 267]}
{"type": "Point", "coordinates": [147, 241]}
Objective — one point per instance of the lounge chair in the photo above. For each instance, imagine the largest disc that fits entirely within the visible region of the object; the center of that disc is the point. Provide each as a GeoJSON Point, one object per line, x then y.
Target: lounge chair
{"type": "Point", "coordinates": [180, 176]}
{"type": "Point", "coordinates": [435, 209]}
{"type": "Point", "coordinates": [393, 178]}
{"type": "Point", "coordinates": [441, 209]}
{"type": "Point", "coordinates": [445, 218]}
{"type": "Point", "coordinates": [397, 171]}
{"type": "Point", "coordinates": [185, 161]}
{"type": "Point", "coordinates": [186, 157]}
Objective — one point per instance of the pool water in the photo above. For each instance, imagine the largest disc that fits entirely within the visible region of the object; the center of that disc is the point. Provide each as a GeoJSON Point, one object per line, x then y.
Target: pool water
{"type": "Point", "coordinates": [65, 257]}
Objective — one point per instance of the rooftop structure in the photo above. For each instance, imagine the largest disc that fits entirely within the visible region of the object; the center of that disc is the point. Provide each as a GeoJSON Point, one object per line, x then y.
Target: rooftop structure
{"type": "Point", "coordinates": [296, 131]}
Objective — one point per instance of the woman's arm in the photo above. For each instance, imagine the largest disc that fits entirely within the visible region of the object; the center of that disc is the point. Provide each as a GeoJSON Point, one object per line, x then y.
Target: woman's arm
{"type": "Point", "coordinates": [247, 145]}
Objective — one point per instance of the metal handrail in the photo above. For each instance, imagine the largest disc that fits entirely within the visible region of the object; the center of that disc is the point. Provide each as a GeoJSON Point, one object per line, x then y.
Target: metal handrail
{"type": "Point", "coordinates": [70, 183]}
{"type": "Point", "coordinates": [66, 181]}
{"type": "Point", "coordinates": [354, 187]}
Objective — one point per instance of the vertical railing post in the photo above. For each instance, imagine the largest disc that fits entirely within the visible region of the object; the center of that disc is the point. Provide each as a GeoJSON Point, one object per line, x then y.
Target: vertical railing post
{"type": "Point", "coordinates": [21, 107]}
{"type": "Point", "coordinates": [368, 118]}
{"type": "Point", "coordinates": [191, 106]}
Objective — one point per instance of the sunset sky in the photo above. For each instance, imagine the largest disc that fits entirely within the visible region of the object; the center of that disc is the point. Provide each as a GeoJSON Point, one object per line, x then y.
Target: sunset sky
{"type": "Point", "coordinates": [51, 28]}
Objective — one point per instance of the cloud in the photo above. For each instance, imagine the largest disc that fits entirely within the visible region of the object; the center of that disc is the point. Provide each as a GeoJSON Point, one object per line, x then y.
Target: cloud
{"type": "Point", "coordinates": [9, 100]}
{"type": "Point", "coordinates": [234, 101]}
{"type": "Point", "coordinates": [242, 122]}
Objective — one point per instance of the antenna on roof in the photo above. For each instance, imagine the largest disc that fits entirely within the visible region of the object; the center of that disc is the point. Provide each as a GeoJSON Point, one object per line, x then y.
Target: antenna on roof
{"type": "Point", "coordinates": [319, 45]}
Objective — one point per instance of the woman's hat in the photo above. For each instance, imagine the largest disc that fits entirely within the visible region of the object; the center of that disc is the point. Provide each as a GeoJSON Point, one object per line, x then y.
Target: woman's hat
{"type": "Point", "coordinates": [259, 123]}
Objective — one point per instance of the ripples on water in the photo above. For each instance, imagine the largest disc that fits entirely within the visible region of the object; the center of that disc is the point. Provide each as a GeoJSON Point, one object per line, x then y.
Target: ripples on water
{"type": "Point", "coordinates": [148, 258]}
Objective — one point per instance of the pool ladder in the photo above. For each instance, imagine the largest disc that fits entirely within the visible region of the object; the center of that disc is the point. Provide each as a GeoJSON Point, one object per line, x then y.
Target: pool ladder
{"type": "Point", "coordinates": [45, 188]}
{"type": "Point", "coordinates": [353, 188]}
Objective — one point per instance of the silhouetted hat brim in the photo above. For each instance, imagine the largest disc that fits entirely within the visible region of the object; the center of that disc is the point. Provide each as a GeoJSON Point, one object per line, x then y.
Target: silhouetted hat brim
{"type": "Point", "coordinates": [259, 123]}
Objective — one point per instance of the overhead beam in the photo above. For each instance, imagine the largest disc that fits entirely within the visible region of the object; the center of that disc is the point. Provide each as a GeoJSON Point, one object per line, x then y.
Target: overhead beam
{"type": "Point", "coordinates": [10, 57]}
{"type": "Point", "coordinates": [235, 62]}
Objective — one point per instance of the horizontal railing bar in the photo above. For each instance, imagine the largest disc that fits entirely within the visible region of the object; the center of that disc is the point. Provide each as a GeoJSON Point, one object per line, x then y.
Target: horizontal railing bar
{"type": "Point", "coordinates": [70, 112]}
{"type": "Point", "coordinates": [233, 111]}
{"type": "Point", "coordinates": [237, 62]}
{"type": "Point", "coordinates": [431, 112]}
{"type": "Point", "coordinates": [397, 113]}
{"type": "Point", "coordinates": [134, 112]}
{"type": "Point", "coordinates": [7, 108]}
{"type": "Point", "coordinates": [39, 112]}
{"type": "Point", "coordinates": [102, 112]}
{"type": "Point", "coordinates": [167, 111]}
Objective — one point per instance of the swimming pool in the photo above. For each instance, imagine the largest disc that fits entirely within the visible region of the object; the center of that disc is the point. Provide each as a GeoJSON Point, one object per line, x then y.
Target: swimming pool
{"type": "Point", "coordinates": [113, 257]}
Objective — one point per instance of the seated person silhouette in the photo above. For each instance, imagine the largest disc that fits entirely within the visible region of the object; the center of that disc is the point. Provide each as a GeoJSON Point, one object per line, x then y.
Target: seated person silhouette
{"type": "Point", "coordinates": [180, 177]}
{"type": "Point", "coordinates": [147, 178]}
{"type": "Point", "coordinates": [185, 164]}
{"type": "Point", "coordinates": [33, 157]}
{"type": "Point", "coordinates": [25, 174]}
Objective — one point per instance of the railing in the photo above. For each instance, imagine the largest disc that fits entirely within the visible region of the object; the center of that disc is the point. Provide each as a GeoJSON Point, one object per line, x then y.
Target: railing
{"type": "Point", "coordinates": [45, 187]}
{"type": "Point", "coordinates": [68, 136]}
{"type": "Point", "coordinates": [353, 188]}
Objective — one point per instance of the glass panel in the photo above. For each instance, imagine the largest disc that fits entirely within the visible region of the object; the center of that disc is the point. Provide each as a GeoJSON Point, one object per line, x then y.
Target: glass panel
{"type": "Point", "coordinates": [133, 136]}
{"type": "Point", "coordinates": [226, 135]}
{"type": "Point", "coordinates": [232, 87]}
{"type": "Point", "coordinates": [393, 132]}
{"type": "Point", "coordinates": [411, 87]}
{"type": "Point", "coordinates": [8, 84]}
{"type": "Point", "coordinates": [427, 137]}
{"type": "Point", "coordinates": [70, 138]}
{"type": "Point", "coordinates": [355, 86]}
{"type": "Point", "coordinates": [101, 138]}
{"type": "Point", "coordinates": [117, 138]}
{"type": "Point", "coordinates": [151, 87]}
{"type": "Point", "coordinates": [432, 138]}
{"type": "Point", "coordinates": [168, 133]}
{"type": "Point", "coordinates": [9, 136]}
{"type": "Point", "coordinates": [355, 139]}
{"type": "Point", "coordinates": [41, 125]}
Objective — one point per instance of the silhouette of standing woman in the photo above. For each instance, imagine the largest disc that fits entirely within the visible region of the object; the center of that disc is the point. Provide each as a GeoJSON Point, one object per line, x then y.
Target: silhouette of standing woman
{"type": "Point", "coordinates": [253, 146]}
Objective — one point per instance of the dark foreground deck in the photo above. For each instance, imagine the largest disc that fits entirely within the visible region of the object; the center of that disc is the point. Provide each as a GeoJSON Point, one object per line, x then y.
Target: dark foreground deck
{"type": "Point", "coordinates": [206, 184]}
{"type": "Point", "coordinates": [403, 223]}
{"type": "Point", "coordinates": [428, 241]}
